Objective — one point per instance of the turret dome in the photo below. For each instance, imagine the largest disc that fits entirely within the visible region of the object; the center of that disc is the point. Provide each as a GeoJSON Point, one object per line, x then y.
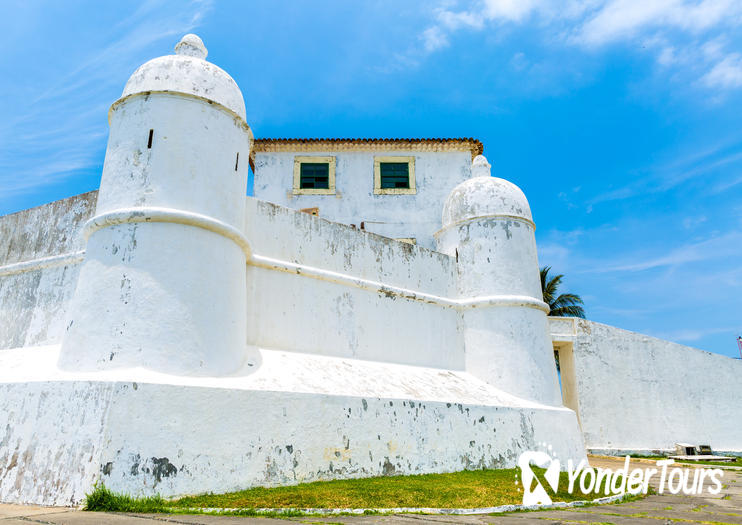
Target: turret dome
{"type": "Point", "coordinates": [188, 72]}
{"type": "Point", "coordinates": [484, 196]}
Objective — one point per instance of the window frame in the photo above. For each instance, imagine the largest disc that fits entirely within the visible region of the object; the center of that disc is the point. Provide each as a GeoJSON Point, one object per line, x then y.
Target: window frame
{"type": "Point", "coordinates": [378, 190]}
{"type": "Point", "coordinates": [298, 160]}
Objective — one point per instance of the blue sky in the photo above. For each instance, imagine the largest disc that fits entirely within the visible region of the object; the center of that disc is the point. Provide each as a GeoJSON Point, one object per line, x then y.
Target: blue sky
{"type": "Point", "coordinates": [621, 120]}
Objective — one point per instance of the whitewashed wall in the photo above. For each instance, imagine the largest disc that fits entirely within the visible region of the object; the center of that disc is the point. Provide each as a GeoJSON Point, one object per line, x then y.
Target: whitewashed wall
{"type": "Point", "coordinates": [396, 216]}
{"type": "Point", "coordinates": [639, 393]}
{"type": "Point", "coordinates": [330, 315]}
{"type": "Point", "coordinates": [40, 253]}
{"type": "Point", "coordinates": [360, 307]}
{"type": "Point", "coordinates": [294, 420]}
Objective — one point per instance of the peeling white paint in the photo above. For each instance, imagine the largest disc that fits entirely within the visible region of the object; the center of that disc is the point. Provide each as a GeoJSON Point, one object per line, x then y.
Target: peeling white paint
{"type": "Point", "coordinates": [217, 342]}
{"type": "Point", "coordinates": [40, 251]}
{"type": "Point", "coordinates": [299, 417]}
{"type": "Point", "coordinates": [162, 284]}
{"type": "Point", "coordinates": [637, 393]}
{"type": "Point", "coordinates": [396, 216]}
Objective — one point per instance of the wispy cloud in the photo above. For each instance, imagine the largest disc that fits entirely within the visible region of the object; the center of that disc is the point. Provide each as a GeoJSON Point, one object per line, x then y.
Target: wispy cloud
{"type": "Point", "coordinates": [690, 335]}
{"type": "Point", "coordinates": [686, 34]}
{"type": "Point", "coordinates": [58, 130]}
{"type": "Point", "coordinates": [434, 38]}
{"type": "Point", "coordinates": [711, 165]}
{"type": "Point", "coordinates": [621, 20]}
{"type": "Point", "coordinates": [722, 246]}
{"type": "Point", "coordinates": [725, 74]}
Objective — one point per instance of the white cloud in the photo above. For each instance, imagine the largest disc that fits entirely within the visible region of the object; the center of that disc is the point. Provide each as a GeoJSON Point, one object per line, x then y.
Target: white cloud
{"type": "Point", "coordinates": [727, 183]}
{"type": "Point", "coordinates": [624, 19]}
{"type": "Point", "coordinates": [662, 178]}
{"type": "Point", "coordinates": [519, 61]}
{"type": "Point", "coordinates": [690, 335]}
{"type": "Point", "coordinates": [722, 246]}
{"type": "Point", "coordinates": [725, 74]}
{"type": "Point", "coordinates": [667, 56]}
{"type": "Point", "coordinates": [690, 223]}
{"type": "Point", "coordinates": [514, 10]}
{"type": "Point", "coordinates": [60, 124]}
{"type": "Point", "coordinates": [556, 255]}
{"type": "Point", "coordinates": [453, 20]}
{"type": "Point", "coordinates": [434, 38]}
{"type": "Point", "coordinates": [678, 32]}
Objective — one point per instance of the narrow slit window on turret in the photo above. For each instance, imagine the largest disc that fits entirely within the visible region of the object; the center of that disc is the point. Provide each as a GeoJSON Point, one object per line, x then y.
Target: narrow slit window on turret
{"type": "Point", "coordinates": [149, 141]}
{"type": "Point", "coordinates": [314, 175]}
{"type": "Point", "coordinates": [237, 161]}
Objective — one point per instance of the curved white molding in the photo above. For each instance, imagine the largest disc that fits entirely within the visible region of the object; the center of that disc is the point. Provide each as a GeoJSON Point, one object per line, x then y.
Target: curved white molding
{"type": "Point", "coordinates": [154, 214]}
{"type": "Point", "coordinates": [515, 218]}
{"type": "Point", "coordinates": [65, 259]}
{"type": "Point", "coordinates": [238, 119]}
{"type": "Point", "coordinates": [123, 216]}
{"type": "Point", "coordinates": [405, 293]}
{"type": "Point", "coordinates": [505, 300]}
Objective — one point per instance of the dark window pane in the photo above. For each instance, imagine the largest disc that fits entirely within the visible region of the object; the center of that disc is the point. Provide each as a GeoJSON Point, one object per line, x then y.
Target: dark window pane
{"type": "Point", "coordinates": [314, 175]}
{"type": "Point", "coordinates": [395, 175]}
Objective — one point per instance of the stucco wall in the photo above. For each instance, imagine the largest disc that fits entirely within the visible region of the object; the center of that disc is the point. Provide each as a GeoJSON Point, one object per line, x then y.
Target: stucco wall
{"type": "Point", "coordinates": [639, 393]}
{"type": "Point", "coordinates": [353, 306]}
{"type": "Point", "coordinates": [297, 418]}
{"type": "Point", "coordinates": [40, 253]}
{"type": "Point", "coordinates": [41, 250]}
{"type": "Point", "coordinates": [397, 216]}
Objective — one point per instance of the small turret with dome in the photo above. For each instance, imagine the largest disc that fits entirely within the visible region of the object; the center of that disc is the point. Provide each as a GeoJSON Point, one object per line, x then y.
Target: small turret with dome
{"type": "Point", "coordinates": [484, 195]}
{"type": "Point", "coordinates": [162, 284]}
{"type": "Point", "coordinates": [487, 225]}
{"type": "Point", "coordinates": [187, 72]}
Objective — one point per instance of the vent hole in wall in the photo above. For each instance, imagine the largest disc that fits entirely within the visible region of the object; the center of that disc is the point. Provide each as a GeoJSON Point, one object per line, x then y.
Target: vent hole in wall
{"type": "Point", "coordinates": [149, 141]}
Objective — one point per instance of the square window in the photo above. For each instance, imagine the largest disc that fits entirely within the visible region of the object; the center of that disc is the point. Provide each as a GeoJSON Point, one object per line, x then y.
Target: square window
{"type": "Point", "coordinates": [394, 176]}
{"type": "Point", "coordinates": [314, 175]}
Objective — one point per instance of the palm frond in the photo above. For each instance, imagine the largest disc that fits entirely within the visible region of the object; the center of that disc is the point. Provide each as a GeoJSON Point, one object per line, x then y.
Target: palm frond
{"type": "Point", "coordinates": [568, 311]}
{"type": "Point", "coordinates": [567, 299]}
{"type": "Point", "coordinates": [562, 305]}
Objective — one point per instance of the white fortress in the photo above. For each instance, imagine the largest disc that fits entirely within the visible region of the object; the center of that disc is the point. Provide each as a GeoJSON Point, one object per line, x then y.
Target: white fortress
{"type": "Point", "coordinates": [167, 334]}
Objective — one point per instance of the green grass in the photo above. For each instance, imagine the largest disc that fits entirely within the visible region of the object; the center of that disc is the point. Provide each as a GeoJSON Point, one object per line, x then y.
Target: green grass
{"type": "Point", "coordinates": [467, 489]}
{"type": "Point", "coordinates": [103, 499]}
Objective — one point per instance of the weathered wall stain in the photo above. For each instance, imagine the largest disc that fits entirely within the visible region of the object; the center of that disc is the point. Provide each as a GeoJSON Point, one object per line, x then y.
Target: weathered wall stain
{"type": "Point", "coordinates": [640, 393]}
{"type": "Point", "coordinates": [33, 303]}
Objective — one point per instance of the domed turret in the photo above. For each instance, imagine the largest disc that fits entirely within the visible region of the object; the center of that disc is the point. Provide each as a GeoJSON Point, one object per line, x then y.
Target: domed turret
{"type": "Point", "coordinates": [487, 226]}
{"type": "Point", "coordinates": [163, 282]}
{"type": "Point", "coordinates": [485, 196]}
{"type": "Point", "coordinates": [189, 73]}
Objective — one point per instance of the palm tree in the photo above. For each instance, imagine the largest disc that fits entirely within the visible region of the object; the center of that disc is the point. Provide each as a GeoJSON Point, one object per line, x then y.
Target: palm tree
{"type": "Point", "coordinates": [562, 305]}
